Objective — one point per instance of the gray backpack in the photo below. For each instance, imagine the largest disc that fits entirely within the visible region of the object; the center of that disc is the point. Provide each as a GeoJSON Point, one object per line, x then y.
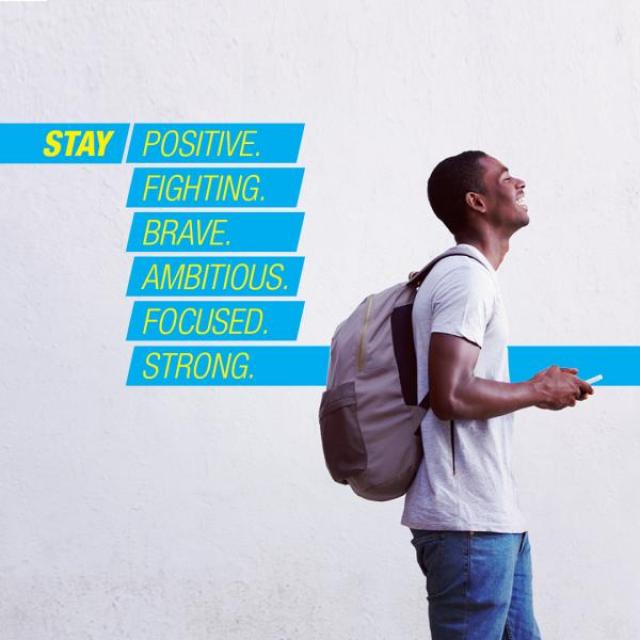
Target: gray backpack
{"type": "Point", "coordinates": [370, 414]}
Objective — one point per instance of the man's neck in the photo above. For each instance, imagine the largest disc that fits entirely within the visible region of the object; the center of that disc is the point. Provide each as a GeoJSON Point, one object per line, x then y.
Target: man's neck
{"type": "Point", "coordinates": [494, 249]}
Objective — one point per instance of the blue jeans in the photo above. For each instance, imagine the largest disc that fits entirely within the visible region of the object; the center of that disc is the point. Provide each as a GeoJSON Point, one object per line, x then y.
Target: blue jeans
{"type": "Point", "coordinates": [478, 584]}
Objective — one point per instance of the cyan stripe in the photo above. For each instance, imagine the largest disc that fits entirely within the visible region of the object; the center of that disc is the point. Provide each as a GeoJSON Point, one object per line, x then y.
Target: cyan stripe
{"type": "Point", "coordinates": [215, 187]}
{"type": "Point", "coordinates": [215, 232]}
{"type": "Point", "coordinates": [197, 320]}
{"type": "Point", "coordinates": [215, 276]}
{"type": "Point", "coordinates": [215, 143]}
{"type": "Point", "coordinates": [229, 366]}
{"type": "Point", "coordinates": [27, 143]}
{"type": "Point", "coordinates": [620, 365]}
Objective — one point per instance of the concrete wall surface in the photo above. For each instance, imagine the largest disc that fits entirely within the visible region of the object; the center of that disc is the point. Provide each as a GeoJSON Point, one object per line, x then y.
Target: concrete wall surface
{"type": "Point", "coordinates": [207, 513]}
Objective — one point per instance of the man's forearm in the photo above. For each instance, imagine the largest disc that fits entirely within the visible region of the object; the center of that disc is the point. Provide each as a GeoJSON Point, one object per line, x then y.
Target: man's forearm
{"type": "Point", "coordinates": [480, 399]}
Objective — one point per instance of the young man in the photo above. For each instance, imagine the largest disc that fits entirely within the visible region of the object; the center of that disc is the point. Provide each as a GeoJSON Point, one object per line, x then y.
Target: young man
{"type": "Point", "coordinates": [470, 537]}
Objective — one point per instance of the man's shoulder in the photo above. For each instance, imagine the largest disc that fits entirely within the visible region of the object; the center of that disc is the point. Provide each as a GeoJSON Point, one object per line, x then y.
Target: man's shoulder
{"type": "Point", "coordinates": [462, 271]}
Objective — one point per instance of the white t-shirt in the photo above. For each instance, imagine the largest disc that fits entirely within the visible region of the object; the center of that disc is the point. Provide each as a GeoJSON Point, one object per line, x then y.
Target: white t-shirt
{"type": "Point", "coordinates": [465, 482]}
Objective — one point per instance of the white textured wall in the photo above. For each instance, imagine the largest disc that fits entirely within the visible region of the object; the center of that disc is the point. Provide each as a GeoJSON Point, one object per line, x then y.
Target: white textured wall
{"type": "Point", "coordinates": [192, 514]}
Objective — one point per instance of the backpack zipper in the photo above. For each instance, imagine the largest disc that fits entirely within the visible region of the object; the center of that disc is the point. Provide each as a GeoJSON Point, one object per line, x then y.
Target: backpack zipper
{"type": "Point", "coordinates": [453, 448]}
{"type": "Point", "coordinates": [363, 335]}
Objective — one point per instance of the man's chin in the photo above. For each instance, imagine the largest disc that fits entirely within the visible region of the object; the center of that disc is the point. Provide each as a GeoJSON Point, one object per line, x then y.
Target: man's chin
{"type": "Point", "coordinates": [524, 219]}
{"type": "Point", "coordinates": [520, 223]}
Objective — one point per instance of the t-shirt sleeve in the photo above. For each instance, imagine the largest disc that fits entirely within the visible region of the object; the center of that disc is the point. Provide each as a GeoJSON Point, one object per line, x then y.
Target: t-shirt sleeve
{"type": "Point", "coordinates": [463, 302]}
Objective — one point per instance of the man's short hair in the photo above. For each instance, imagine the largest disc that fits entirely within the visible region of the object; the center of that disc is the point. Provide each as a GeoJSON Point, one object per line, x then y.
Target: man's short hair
{"type": "Point", "coordinates": [448, 184]}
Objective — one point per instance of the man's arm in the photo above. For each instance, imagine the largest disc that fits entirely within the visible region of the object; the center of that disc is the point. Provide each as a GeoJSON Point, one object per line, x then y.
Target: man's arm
{"type": "Point", "coordinates": [456, 393]}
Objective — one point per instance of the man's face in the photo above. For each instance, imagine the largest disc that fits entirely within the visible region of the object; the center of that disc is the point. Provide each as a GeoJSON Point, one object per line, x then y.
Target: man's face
{"type": "Point", "coordinates": [504, 196]}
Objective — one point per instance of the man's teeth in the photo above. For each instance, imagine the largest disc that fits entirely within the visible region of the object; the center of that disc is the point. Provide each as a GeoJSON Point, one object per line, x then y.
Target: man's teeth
{"type": "Point", "coordinates": [520, 199]}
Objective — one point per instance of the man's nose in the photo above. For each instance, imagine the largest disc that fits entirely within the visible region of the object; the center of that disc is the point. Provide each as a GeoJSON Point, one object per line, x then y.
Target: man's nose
{"type": "Point", "coordinates": [521, 183]}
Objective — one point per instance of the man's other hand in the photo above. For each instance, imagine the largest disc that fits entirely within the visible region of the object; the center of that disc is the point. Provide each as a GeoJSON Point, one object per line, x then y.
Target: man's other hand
{"type": "Point", "coordinates": [559, 388]}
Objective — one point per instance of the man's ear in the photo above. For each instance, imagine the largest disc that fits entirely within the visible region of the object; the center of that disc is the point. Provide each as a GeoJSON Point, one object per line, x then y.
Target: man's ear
{"type": "Point", "coordinates": [475, 201]}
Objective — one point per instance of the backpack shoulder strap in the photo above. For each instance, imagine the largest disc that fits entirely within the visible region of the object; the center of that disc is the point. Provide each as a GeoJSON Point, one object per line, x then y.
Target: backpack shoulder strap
{"type": "Point", "coordinates": [417, 278]}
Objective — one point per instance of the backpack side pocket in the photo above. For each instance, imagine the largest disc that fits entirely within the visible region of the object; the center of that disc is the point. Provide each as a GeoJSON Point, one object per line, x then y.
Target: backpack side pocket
{"type": "Point", "coordinates": [342, 441]}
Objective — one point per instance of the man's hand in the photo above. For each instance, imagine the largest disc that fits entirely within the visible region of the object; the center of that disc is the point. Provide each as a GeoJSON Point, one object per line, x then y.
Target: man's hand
{"type": "Point", "coordinates": [559, 388]}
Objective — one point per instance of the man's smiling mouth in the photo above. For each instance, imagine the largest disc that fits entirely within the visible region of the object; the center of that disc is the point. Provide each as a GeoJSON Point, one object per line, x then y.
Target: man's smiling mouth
{"type": "Point", "coordinates": [520, 201]}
